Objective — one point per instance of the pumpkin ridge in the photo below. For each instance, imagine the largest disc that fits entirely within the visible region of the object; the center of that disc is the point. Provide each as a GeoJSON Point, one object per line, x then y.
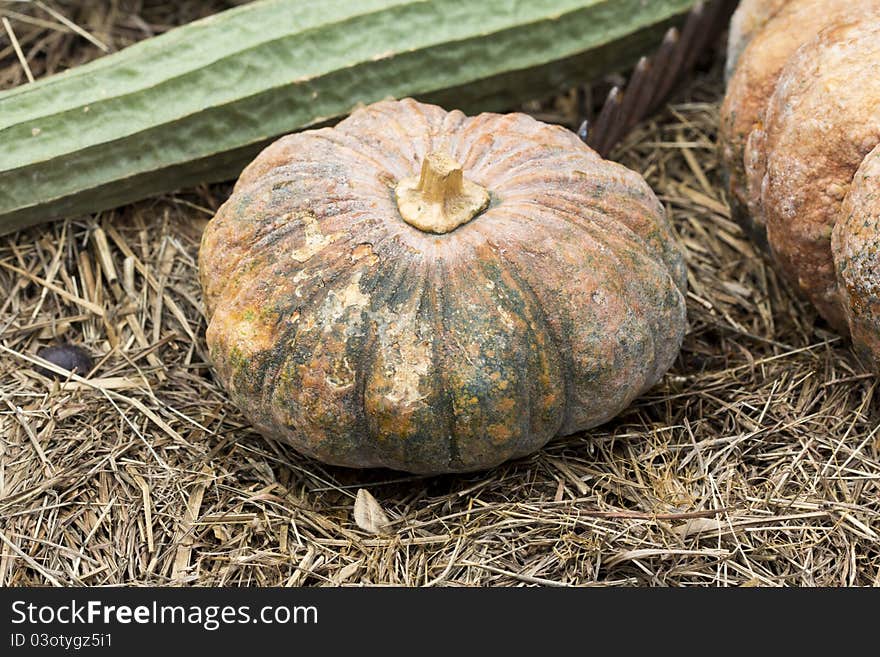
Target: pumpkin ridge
{"type": "Point", "coordinates": [386, 286]}
{"type": "Point", "coordinates": [483, 429]}
{"type": "Point", "coordinates": [432, 137]}
{"type": "Point", "coordinates": [522, 128]}
{"type": "Point", "coordinates": [301, 171]}
{"type": "Point", "coordinates": [615, 285]}
{"type": "Point", "coordinates": [451, 125]}
{"type": "Point", "coordinates": [398, 162]}
{"type": "Point", "coordinates": [350, 241]}
{"type": "Point", "coordinates": [602, 226]}
{"type": "Point", "coordinates": [536, 332]}
{"type": "Point", "coordinates": [566, 322]}
{"type": "Point", "coordinates": [604, 232]}
{"type": "Point", "coordinates": [369, 156]}
{"type": "Point", "coordinates": [289, 334]}
{"type": "Point", "coordinates": [368, 356]}
{"type": "Point", "coordinates": [448, 363]}
{"type": "Point", "coordinates": [331, 271]}
{"type": "Point", "coordinates": [358, 443]}
{"type": "Point", "coordinates": [388, 114]}
{"type": "Point", "coordinates": [275, 236]}
{"type": "Point", "coordinates": [653, 232]}
{"type": "Point", "coordinates": [502, 172]}
{"type": "Point", "coordinates": [437, 268]}
{"type": "Point", "coordinates": [498, 127]}
{"type": "Point", "coordinates": [511, 266]}
{"type": "Point", "coordinates": [563, 162]}
{"type": "Point", "coordinates": [523, 156]}
{"type": "Point", "coordinates": [552, 340]}
{"type": "Point", "coordinates": [264, 232]}
{"type": "Point", "coordinates": [384, 117]}
{"type": "Point", "coordinates": [297, 152]}
{"type": "Point", "coordinates": [639, 248]}
{"type": "Point", "coordinates": [473, 150]}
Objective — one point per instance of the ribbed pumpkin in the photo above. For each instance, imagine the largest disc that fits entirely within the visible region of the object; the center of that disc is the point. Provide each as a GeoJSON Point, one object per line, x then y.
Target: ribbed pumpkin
{"type": "Point", "coordinates": [802, 111]}
{"type": "Point", "coordinates": [429, 292]}
{"type": "Point", "coordinates": [764, 34]}
{"type": "Point", "coordinates": [856, 246]}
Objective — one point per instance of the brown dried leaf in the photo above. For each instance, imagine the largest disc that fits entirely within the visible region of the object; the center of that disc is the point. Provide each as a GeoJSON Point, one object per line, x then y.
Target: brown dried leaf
{"type": "Point", "coordinates": [699, 526]}
{"type": "Point", "coordinates": [368, 514]}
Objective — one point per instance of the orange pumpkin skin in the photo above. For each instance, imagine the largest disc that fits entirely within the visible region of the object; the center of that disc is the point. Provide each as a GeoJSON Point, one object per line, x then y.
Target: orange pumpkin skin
{"type": "Point", "coordinates": [764, 35]}
{"type": "Point", "coordinates": [821, 121]}
{"type": "Point", "coordinates": [856, 247]}
{"type": "Point", "coordinates": [363, 341]}
{"type": "Point", "coordinates": [750, 17]}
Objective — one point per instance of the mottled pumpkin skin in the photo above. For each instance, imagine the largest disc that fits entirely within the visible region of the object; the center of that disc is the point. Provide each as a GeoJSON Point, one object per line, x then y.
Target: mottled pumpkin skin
{"type": "Point", "coordinates": [747, 21]}
{"type": "Point", "coordinates": [856, 247]}
{"type": "Point", "coordinates": [821, 121]}
{"type": "Point", "coordinates": [764, 35]}
{"type": "Point", "coordinates": [363, 341]}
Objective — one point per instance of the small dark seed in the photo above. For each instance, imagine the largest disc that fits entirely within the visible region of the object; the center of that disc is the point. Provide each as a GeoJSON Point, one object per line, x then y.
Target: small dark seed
{"type": "Point", "coordinates": [67, 356]}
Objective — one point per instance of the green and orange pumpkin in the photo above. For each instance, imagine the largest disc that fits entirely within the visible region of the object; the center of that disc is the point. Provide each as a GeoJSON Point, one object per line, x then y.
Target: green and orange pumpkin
{"type": "Point", "coordinates": [431, 292]}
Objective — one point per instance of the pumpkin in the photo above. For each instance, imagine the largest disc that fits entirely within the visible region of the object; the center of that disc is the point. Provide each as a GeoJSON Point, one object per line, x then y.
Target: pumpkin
{"type": "Point", "coordinates": [856, 246]}
{"type": "Point", "coordinates": [431, 292]}
{"type": "Point", "coordinates": [764, 34]}
{"type": "Point", "coordinates": [801, 114]}
{"type": "Point", "coordinates": [748, 20]}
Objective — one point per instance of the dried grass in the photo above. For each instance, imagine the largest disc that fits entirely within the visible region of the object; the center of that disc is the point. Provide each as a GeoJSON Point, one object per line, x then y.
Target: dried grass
{"type": "Point", "coordinates": [756, 461]}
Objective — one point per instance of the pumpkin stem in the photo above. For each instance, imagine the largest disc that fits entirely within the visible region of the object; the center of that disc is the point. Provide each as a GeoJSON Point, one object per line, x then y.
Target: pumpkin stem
{"type": "Point", "coordinates": [440, 199]}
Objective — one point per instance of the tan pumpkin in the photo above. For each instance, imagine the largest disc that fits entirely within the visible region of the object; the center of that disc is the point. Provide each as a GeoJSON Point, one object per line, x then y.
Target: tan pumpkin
{"type": "Point", "coordinates": [801, 113]}
{"type": "Point", "coordinates": [856, 246]}
{"type": "Point", "coordinates": [430, 292]}
{"type": "Point", "coordinates": [764, 34]}
{"type": "Point", "coordinates": [750, 18]}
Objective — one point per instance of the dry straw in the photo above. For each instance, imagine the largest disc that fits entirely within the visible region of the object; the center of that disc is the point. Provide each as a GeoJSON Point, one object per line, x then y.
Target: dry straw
{"type": "Point", "coordinates": [756, 461]}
